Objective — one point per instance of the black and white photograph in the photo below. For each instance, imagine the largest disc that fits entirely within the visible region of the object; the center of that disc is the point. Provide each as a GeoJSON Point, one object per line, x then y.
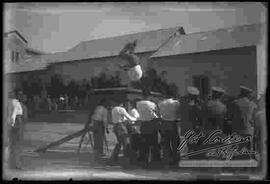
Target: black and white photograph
{"type": "Point", "coordinates": [134, 91]}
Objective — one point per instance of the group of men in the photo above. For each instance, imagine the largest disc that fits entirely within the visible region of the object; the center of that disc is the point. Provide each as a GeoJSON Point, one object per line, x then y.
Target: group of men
{"type": "Point", "coordinates": [163, 124]}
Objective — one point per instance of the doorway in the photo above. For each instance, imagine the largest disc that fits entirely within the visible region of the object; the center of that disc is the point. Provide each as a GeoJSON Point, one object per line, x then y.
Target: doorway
{"type": "Point", "coordinates": [202, 83]}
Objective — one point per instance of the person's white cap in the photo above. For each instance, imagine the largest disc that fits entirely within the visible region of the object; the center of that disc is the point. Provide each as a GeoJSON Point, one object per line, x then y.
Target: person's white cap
{"type": "Point", "coordinates": [218, 89]}
{"type": "Point", "coordinates": [193, 90]}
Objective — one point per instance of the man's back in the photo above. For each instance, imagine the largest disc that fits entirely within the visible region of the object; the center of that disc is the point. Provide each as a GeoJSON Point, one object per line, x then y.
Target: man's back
{"type": "Point", "coordinates": [168, 109]}
{"type": "Point", "coordinates": [214, 113]}
{"type": "Point", "coordinates": [243, 115]}
{"type": "Point", "coordinates": [216, 108]}
{"type": "Point", "coordinates": [100, 113]}
{"type": "Point", "coordinates": [119, 114]}
{"type": "Point", "coordinates": [246, 106]}
{"type": "Point", "coordinates": [147, 110]}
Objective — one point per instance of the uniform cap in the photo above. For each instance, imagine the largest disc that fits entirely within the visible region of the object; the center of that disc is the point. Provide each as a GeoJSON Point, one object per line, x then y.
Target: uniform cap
{"type": "Point", "coordinates": [218, 89]}
{"type": "Point", "coordinates": [246, 89]}
{"type": "Point", "coordinates": [193, 90]}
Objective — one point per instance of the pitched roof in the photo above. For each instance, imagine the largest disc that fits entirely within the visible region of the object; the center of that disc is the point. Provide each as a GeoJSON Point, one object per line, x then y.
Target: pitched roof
{"type": "Point", "coordinates": [16, 32]}
{"type": "Point", "coordinates": [239, 36]}
{"type": "Point", "coordinates": [106, 47]}
{"type": "Point", "coordinates": [31, 64]}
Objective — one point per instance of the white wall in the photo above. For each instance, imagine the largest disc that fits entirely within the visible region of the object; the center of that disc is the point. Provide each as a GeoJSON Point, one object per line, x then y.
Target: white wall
{"type": "Point", "coordinates": [13, 43]}
{"type": "Point", "coordinates": [227, 68]}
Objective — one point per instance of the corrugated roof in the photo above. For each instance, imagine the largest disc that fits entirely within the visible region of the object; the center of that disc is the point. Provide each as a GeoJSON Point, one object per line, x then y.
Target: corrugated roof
{"type": "Point", "coordinates": [106, 47]}
{"type": "Point", "coordinates": [239, 36]}
{"type": "Point", "coordinates": [31, 64]}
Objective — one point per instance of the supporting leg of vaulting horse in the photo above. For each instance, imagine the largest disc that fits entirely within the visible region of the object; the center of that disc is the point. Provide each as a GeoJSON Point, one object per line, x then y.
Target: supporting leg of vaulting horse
{"type": "Point", "coordinates": [80, 143]}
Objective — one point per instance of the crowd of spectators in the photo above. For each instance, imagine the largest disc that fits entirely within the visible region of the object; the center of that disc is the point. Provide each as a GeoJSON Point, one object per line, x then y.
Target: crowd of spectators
{"type": "Point", "coordinates": [57, 95]}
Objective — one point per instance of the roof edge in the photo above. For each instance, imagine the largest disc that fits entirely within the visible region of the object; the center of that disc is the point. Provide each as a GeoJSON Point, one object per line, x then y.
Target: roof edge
{"type": "Point", "coordinates": [153, 30]}
{"type": "Point", "coordinates": [18, 33]}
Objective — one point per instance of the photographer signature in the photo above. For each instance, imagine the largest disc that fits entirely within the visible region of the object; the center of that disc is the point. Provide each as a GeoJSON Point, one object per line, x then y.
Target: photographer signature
{"type": "Point", "coordinates": [227, 148]}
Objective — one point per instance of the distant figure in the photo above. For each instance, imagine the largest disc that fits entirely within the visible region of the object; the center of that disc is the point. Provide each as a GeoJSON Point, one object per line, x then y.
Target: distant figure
{"type": "Point", "coordinates": [76, 101]}
{"type": "Point", "coordinates": [66, 102]}
{"type": "Point", "coordinates": [61, 102]}
{"type": "Point", "coordinates": [49, 103]}
{"type": "Point", "coordinates": [133, 66]}
{"type": "Point", "coordinates": [37, 102]}
{"type": "Point", "coordinates": [54, 104]}
{"type": "Point", "coordinates": [43, 94]}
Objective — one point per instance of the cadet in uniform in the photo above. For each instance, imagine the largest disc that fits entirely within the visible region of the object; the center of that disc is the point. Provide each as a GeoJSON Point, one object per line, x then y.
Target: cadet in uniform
{"type": "Point", "coordinates": [191, 117]}
{"type": "Point", "coordinates": [100, 122]}
{"type": "Point", "coordinates": [243, 117]}
{"type": "Point", "coordinates": [149, 129]}
{"type": "Point", "coordinates": [119, 118]}
{"type": "Point", "coordinates": [190, 110]}
{"type": "Point", "coordinates": [215, 111]}
{"type": "Point", "coordinates": [168, 109]}
{"type": "Point", "coordinates": [15, 122]}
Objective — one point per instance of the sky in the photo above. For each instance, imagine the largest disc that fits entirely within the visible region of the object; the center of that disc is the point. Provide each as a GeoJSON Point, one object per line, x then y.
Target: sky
{"type": "Point", "coordinates": [58, 27]}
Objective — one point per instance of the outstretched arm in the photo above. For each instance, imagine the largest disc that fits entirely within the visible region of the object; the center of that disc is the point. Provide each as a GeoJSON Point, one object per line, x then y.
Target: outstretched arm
{"type": "Point", "coordinates": [126, 115]}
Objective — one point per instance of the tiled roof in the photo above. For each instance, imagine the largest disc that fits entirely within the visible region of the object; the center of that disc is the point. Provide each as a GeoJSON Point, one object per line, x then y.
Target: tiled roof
{"type": "Point", "coordinates": [106, 47]}
{"type": "Point", "coordinates": [239, 36]}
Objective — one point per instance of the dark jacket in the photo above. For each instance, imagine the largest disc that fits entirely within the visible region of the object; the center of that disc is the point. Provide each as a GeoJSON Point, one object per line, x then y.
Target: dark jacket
{"type": "Point", "coordinates": [214, 113]}
{"type": "Point", "coordinates": [243, 115]}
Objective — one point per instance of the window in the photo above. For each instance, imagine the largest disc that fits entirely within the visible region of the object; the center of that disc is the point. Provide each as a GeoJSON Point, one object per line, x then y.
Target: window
{"type": "Point", "coordinates": [202, 83]}
{"type": "Point", "coordinates": [15, 56]}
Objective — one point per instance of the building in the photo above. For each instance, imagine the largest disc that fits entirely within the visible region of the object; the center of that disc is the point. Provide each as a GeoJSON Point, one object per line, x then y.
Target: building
{"type": "Point", "coordinates": [225, 57]}
{"type": "Point", "coordinates": [19, 57]}
{"type": "Point", "coordinates": [16, 48]}
{"type": "Point", "coordinates": [90, 58]}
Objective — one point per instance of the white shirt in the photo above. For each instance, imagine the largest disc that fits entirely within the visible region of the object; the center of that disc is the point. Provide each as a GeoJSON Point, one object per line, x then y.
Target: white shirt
{"type": "Point", "coordinates": [168, 109]}
{"type": "Point", "coordinates": [119, 115]}
{"type": "Point", "coordinates": [134, 113]}
{"type": "Point", "coordinates": [14, 109]}
{"type": "Point", "coordinates": [135, 73]}
{"type": "Point", "coordinates": [147, 110]}
{"type": "Point", "coordinates": [100, 114]}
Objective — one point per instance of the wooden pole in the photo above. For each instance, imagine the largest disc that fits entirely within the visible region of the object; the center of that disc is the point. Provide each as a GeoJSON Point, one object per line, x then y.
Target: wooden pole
{"type": "Point", "coordinates": [63, 140]}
